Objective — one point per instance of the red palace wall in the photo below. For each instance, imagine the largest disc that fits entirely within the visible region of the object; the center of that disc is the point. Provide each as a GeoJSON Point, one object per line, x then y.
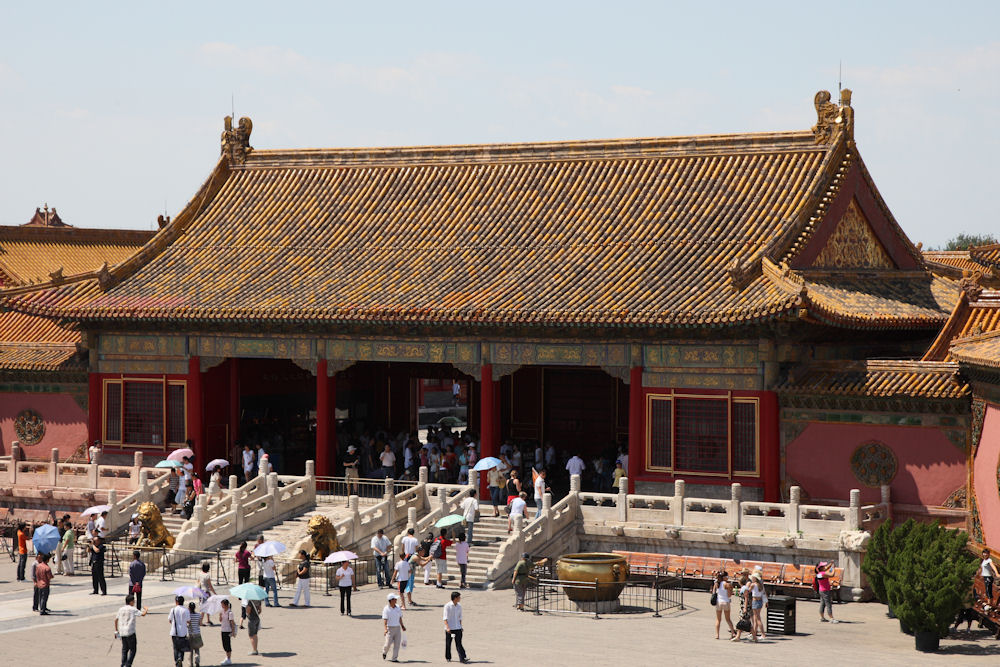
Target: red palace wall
{"type": "Point", "coordinates": [984, 477]}
{"type": "Point", "coordinates": [929, 466]}
{"type": "Point", "coordinates": [65, 423]}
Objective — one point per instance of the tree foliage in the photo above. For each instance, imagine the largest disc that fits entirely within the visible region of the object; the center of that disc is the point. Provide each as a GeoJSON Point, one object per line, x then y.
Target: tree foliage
{"type": "Point", "coordinates": [966, 241]}
{"type": "Point", "coordinates": [927, 575]}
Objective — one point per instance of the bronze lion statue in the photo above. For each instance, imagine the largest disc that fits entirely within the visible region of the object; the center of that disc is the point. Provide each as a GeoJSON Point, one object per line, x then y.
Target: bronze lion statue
{"type": "Point", "coordinates": [153, 533]}
{"type": "Point", "coordinates": [324, 537]}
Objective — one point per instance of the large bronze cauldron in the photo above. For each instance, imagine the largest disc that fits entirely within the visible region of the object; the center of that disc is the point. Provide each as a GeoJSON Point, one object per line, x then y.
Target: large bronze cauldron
{"type": "Point", "coordinates": [610, 571]}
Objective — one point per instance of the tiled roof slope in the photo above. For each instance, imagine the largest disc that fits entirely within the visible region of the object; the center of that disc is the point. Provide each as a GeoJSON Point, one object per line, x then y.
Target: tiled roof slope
{"type": "Point", "coordinates": [922, 379]}
{"type": "Point", "coordinates": [975, 314]}
{"type": "Point", "coordinates": [30, 342]}
{"type": "Point", "coordinates": [642, 232]}
{"type": "Point", "coordinates": [986, 255]}
{"type": "Point", "coordinates": [28, 254]}
{"type": "Point", "coordinates": [981, 350]}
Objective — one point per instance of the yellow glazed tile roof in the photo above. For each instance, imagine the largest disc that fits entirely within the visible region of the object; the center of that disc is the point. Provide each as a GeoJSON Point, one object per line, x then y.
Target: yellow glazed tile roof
{"type": "Point", "coordinates": [636, 232]}
{"type": "Point", "coordinates": [971, 317]}
{"type": "Point", "coordinates": [886, 379]}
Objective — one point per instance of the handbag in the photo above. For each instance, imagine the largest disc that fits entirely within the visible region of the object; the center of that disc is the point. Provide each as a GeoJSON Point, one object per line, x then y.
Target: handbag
{"type": "Point", "coordinates": [195, 642]}
{"type": "Point", "coordinates": [744, 623]}
{"type": "Point", "coordinates": [714, 600]}
{"type": "Point", "coordinates": [478, 516]}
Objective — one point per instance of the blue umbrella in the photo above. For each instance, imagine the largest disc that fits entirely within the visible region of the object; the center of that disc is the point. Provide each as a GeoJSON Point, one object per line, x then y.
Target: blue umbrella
{"type": "Point", "coordinates": [449, 520]}
{"type": "Point", "coordinates": [248, 592]}
{"type": "Point", "coordinates": [167, 463]}
{"type": "Point", "coordinates": [45, 539]}
{"type": "Point", "coordinates": [488, 462]}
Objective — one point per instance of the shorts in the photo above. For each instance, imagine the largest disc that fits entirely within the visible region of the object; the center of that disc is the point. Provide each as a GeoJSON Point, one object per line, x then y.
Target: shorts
{"type": "Point", "coordinates": [722, 606]}
{"type": "Point", "coordinates": [227, 644]}
{"type": "Point", "coordinates": [442, 565]}
{"type": "Point", "coordinates": [350, 473]}
{"type": "Point", "coordinates": [253, 625]}
{"type": "Point", "coordinates": [757, 604]}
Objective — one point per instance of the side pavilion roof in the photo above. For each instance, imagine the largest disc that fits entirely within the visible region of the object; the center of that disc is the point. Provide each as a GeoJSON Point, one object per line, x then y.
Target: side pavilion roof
{"type": "Point", "coordinates": [704, 231]}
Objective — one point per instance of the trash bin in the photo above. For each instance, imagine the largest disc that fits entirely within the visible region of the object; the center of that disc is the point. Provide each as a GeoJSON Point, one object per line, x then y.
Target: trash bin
{"type": "Point", "coordinates": [781, 615]}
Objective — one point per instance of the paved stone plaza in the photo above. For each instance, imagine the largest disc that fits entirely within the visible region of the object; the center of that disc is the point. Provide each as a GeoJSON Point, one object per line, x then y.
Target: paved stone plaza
{"type": "Point", "coordinates": [79, 632]}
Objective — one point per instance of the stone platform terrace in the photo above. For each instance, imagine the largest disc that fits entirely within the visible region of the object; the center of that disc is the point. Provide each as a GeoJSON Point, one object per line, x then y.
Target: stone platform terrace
{"type": "Point", "coordinates": [80, 633]}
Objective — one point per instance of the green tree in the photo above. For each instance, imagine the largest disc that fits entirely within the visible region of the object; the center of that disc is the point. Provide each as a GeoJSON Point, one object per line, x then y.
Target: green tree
{"type": "Point", "coordinates": [966, 241]}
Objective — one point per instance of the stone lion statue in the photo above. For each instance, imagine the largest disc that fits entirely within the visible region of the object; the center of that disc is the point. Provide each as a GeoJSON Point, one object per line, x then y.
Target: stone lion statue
{"type": "Point", "coordinates": [323, 536]}
{"type": "Point", "coordinates": [153, 533]}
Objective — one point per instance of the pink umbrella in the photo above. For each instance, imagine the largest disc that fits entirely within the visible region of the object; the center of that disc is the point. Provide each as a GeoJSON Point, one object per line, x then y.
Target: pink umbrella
{"type": "Point", "coordinates": [179, 454]}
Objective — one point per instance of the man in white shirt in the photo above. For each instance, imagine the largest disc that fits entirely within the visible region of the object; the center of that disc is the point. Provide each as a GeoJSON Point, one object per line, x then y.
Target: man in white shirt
{"type": "Point", "coordinates": [575, 465]}
{"type": "Point", "coordinates": [410, 543]}
{"type": "Point", "coordinates": [453, 627]}
{"type": "Point", "coordinates": [540, 490]}
{"type": "Point", "coordinates": [381, 546]}
{"type": "Point", "coordinates": [470, 506]}
{"type": "Point", "coordinates": [101, 526]}
{"type": "Point", "coordinates": [179, 617]}
{"type": "Point", "coordinates": [125, 628]}
{"type": "Point", "coordinates": [401, 575]}
{"type": "Point", "coordinates": [518, 507]}
{"type": "Point", "coordinates": [388, 460]}
{"type": "Point", "coordinates": [392, 617]}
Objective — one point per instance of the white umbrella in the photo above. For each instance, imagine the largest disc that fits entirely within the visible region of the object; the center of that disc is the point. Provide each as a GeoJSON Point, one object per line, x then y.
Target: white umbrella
{"type": "Point", "coordinates": [190, 592]}
{"type": "Point", "coordinates": [179, 454]}
{"type": "Point", "coordinates": [340, 557]}
{"type": "Point", "coordinates": [269, 548]}
{"type": "Point", "coordinates": [213, 605]}
{"type": "Point", "coordinates": [217, 463]}
{"type": "Point", "coordinates": [96, 510]}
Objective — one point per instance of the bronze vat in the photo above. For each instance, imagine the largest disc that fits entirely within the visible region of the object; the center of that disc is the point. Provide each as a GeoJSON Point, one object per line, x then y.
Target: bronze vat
{"type": "Point", "coordinates": [609, 570]}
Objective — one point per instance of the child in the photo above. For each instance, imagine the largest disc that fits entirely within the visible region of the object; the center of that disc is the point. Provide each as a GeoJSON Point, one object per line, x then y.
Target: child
{"type": "Point", "coordinates": [619, 473]}
{"type": "Point", "coordinates": [194, 636]}
{"type": "Point", "coordinates": [462, 557]}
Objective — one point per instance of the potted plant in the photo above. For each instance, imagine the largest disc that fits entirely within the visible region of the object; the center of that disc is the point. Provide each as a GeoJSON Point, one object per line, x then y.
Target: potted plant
{"type": "Point", "coordinates": [927, 581]}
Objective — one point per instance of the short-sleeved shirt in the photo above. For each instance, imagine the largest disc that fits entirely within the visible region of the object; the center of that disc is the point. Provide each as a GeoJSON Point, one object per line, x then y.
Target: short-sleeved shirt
{"type": "Point", "coordinates": [402, 568]}
{"type": "Point", "coordinates": [347, 576]}
{"type": "Point", "coordinates": [303, 565]}
{"type": "Point", "coordinates": [179, 619]}
{"type": "Point", "coordinates": [22, 542]}
{"type": "Point", "coordinates": [350, 461]}
{"type": "Point", "coordinates": [539, 487]}
{"type": "Point", "coordinates": [453, 615]}
{"type": "Point", "coordinates": [126, 620]}
{"type": "Point", "coordinates": [98, 555]}
{"type": "Point", "coordinates": [392, 616]}
{"type": "Point", "coordinates": [469, 508]}
{"type": "Point", "coordinates": [383, 544]}
{"type": "Point", "coordinates": [517, 506]}
{"type": "Point", "coordinates": [43, 575]}
{"type": "Point", "coordinates": [521, 572]}
{"type": "Point", "coordinates": [204, 581]}
{"type": "Point", "coordinates": [575, 465]}
{"type": "Point", "coordinates": [987, 567]}
{"type": "Point", "coordinates": [462, 552]}
{"type": "Point", "coordinates": [388, 459]}
{"type": "Point", "coordinates": [243, 560]}
{"type": "Point", "coordinates": [445, 543]}
{"type": "Point", "coordinates": [823, 581]}
{"type": "Point", "coordinates": [267, 568]}
{"type": "Point", "coordinates": [410, 545]}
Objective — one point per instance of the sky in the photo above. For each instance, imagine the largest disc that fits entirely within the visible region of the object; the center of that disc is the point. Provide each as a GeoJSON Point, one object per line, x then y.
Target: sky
{"type": "Point", "coordinates": [112, 112]}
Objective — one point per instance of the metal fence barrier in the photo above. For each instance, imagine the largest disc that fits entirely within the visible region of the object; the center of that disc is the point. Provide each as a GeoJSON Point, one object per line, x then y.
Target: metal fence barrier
{"type": "Point", "coordinates": [654, 593]}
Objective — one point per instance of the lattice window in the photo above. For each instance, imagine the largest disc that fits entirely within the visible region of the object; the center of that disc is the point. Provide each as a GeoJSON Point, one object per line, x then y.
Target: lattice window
{"type": "Point", "coordinates": [745, 436]}
{"type": "Point", "coordinates": [660, 433]}
{"type": "Point", "coordinates": [113, 412]}
{"type": "Point", "coordinates": [176, 414]}
{"type": "Point", "coordinates": [701, 443]}
{"type": "Point", "coordinates": [143, 423]}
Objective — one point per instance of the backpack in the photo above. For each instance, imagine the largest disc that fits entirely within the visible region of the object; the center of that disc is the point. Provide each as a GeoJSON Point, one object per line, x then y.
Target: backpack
{"type": "Point", "coordinates": [436, 549]}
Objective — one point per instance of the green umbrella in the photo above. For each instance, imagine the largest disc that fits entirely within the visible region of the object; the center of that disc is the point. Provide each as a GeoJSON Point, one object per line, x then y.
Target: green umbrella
{"type": "Point", "coordinates": [248, 592]}
{"type": "Point", "coordinates": [449, 520]}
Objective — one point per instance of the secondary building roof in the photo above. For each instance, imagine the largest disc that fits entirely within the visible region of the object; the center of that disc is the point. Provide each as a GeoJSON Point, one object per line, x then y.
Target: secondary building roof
{"type": "Point", "coordinates": [706, 231]}
{"type": "Point", "coordinates": [881, 379]}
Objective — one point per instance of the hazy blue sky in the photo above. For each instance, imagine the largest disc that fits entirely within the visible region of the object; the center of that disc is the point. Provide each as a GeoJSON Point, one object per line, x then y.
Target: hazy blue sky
{"type": "Point", "coordinates": [108, 113]}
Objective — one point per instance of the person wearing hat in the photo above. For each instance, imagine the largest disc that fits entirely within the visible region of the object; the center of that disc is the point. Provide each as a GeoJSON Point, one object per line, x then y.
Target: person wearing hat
{"type": "Point", "coordinates": [392, 620]}
{"type": "Point", "coordinates": [522, 573]}
{"type": "Point", "coordinates": [823, 573]}
{"type": "Point", "coordinates": [351, 469]}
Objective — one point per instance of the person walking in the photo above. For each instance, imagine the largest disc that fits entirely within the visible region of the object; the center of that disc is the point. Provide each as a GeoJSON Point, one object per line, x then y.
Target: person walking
{"type": "Point", "coordinates": [745, 612]}
{"type": "Point", "coordinates": [402, 572]}
{"type": "Point", "coordinates": [248, 463]}
{"type": "Point", "coordinates": [470, 513]}
{"type": "Point", "coordinates": [96, 550]}
{"type": "Point", "coordinates": [242, 558]}
{"type": "Point", "coordinates": [723, 591]}
{"type": "Point", "coordinates": [496, 482]}
{"type": "Point", "coordinates": [345, 582]}
{"type": "Point", "coordinates": [267, 571]}
{"type": "Point", "coordinates": [22, 550]}
{"type": "Point", "coordinates": [823, 572]}
{"type": "Point", "coordinates": [518, 507]}
{"type": "Point", "coordinates": [34, 582]}
{"type": "Point", "coordinates": [253, 624]}
{"type": "Point", "coordinates": [410, 543]}
{"type": "Point", "coordinates": [302, 569]}
{"type": "Point", "coordinates": [179, 618]}
{"type": "Point", "coordinates": [453, 628]}
{"type": "Point", "coordinates": [101, 525]}
{"type": "Point", "coordinates": [440, 555]}
{"type": "Point", "coordinates": [428, 562]}
{"type": "Point", "coordinates": [462, 557]}
{"type": "Point", "coordinates": [392, 619]}
{"type": "Point", "coordinates": [136, 574]}
{"type": "Point", "coordinates": [540, 490]}
{"type": "Point", "coordinates": [43, 579]}
{"type": "Point", "coordinates": [195, 642]}
{"type": "Point", "coordinates": [125, 628]}
{"type": "Point", "coordinates": [381, 546]}
{"type": "Point", "coordinates": [989, 571]}
{"type": "Point", "coordinates": [756, 605]}
{"type": "Point", "coordinates": [520, 579]}
{"type": "Point", "coordinates": [204, 582]}
{"type": "Point", "coordinates": [228, 626]}
{"type": "Point", "coordinates": [68, 544]}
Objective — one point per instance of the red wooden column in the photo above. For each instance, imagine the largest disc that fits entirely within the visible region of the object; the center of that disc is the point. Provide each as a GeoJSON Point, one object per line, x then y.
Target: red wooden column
{"type": "Point", "coordinates": [234, 409]}
{"type": "Point", "coordinates": [636, 427]}
{"type": "Point", "coordinates": [489, 420]}
{"type": "Point", "coordinates": [195, 423]}
{"type": "Point", "coordinates": [322, 419]}
{"type": "Point", "coordinates": [770, 447]}
{"type": "Point", "coordinates": [94, 409]}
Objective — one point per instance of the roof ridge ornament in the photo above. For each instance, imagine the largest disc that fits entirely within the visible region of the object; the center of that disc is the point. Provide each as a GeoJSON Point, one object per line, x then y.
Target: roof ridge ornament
{"type": "Point", "coordinates": [236, 142]}
{"type": "Point", "coordinates": [971, 284]}
{"type": "Point", "coordinates": [830, 116]}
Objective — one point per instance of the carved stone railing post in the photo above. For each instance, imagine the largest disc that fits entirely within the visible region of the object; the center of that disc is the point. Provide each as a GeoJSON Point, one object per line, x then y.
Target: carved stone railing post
{"type": "Point", "coordinates": [234, 485]}
{"type": "Point", "coordinates": [92, 475]}
{"type": "Point", "coordinates": [54, 467]}
{"type": "Point", "coordinates": [854, 511]}
{"type": "Point", "coordinates": [677, 504]}
{"type": "Point", "coordinates": [623, 499]}
{"type": "Point", "coordinates": [574, 484]}
{"type": "Point", "coordinates": [735, 511]}
{"type": "Point", "coordinates": [275, 493]}
{"type": "Point", "coordinates": [389, 496]}
{"type": "Point", "coordinates": [547, 515]}
{"type": "Point", "coordinates": [887, 500]}
{"type": "Point", "coordinates": [792, 513]}
{"type": "Point", "coordinates": [137, 461]}
{"type": "Point", "coordinates": [411, 518]}
{"type": "Point", "coordinates": [15, 454]}
{"type": "Point", "coordinates": [198, 517]}
{"type": "Point", "coordinates": [473, 478]}
{"type": "Point", "coordinates": [422, 475]}
{"type": "Point", "coordinates": [353, 503]}
{"type": "Point", "coordinates": [236, 503]}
